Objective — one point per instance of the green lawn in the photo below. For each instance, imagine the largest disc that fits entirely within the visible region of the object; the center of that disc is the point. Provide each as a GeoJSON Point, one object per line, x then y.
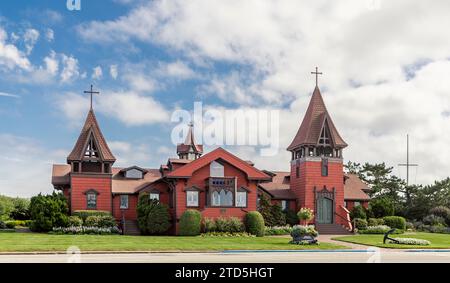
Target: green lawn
{"type": "Point", "coordinates": [32, 242]}
{"type": "Point", "coordinates": [438, 241]}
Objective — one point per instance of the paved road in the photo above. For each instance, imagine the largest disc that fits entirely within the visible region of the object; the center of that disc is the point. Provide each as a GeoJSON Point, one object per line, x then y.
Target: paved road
{"type": "Point", "coordinates": [236, 257]}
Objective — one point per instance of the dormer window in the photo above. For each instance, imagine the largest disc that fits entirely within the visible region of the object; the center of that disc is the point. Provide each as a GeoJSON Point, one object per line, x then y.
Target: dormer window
{"type": "Point", "coordinates": [134, 172]}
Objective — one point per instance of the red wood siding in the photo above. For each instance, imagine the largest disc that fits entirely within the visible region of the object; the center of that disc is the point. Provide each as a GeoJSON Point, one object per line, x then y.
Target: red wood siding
{"type": "Point", "coordinates": [198, 180]}
{"type": "Point", "coordinates": [81, 184]}
{"type": "Point", "coordinates": [311, 177]}
{"type": "Point", "coordinates": [130, 213]}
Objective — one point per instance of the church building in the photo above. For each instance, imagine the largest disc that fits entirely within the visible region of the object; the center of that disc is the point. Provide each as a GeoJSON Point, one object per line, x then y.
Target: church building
{"type": "Point", "coordinates": [217, 183]}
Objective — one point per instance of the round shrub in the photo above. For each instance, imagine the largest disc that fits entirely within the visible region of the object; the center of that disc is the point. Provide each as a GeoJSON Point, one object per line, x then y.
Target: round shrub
{"type": "Point", "coordinates": [433, 220]}
{"type": "Point", "coordinates": [2, 225]}
{"type": "Point", "coordinates": [75, 221]}
{"type": "Point", "coordinates": [48, 211]}
{"type": "Point", "coordinates": [358, 212]}
{"type": "Point", "coordinates": [443, 212]}
{"type": "Point", "coordinates": [375, 221]}
{"type": "Point", "coordinates": [397, 222]}
{"type": "Point", "coordinates": [360, 224]}
{"type": "Point", "coordinates": [291, 217]}
{"type": "Point", "coordinates": [153, 216]}
{"type": "Point", "coordinates": [254, 223]}
{"type": "Point", "coordinates": [381, 207]}
{"type": "Point", "coordinates": [190, 223]}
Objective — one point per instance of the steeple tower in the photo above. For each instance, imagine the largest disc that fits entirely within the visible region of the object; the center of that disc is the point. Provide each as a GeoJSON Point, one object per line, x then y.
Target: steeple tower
{"type": "Point", "coordinates": [91, 153]}
{"type": "Point", "coordinates": [317, 135]}
{"type": "Point", "coordinates": [189, 149]}
{"type": "Point", "coordinates": [317, 177]}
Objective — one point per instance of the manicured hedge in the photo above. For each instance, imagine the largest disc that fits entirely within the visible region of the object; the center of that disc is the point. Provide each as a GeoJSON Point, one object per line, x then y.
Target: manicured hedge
{"type": "Point", "coordinates": [397, 222]}
{"type": "Point", "coordinates": [84, 214]}
{"type": "Point", "coordinates": [190, 223]}
{"type": "Point", "coordinates": [360, 224]}
{"type": "Point", "coordinates": [101, 221]}
{"type": "Point", "coordinates": [75, 221]}
{"type": "Point", "coordinates": [375, 221]}
{"type": "Point", "coordinates": [254, 223]}
{"type": "Point", "coordinates": [223, 225]}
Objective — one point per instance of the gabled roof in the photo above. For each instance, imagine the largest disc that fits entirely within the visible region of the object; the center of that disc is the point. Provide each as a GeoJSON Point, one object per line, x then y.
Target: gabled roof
{"type": "Point", "coordinates": [190, 143]}
{"type": "Point", "coordinates": [122, 185]}
{"type": "Point", "coordinates": [279, 187]}
{"type": "Point", "coordinates": [187, 170]}
{"type": "Point", "coordinates": [133, 167]}
{"type": "Point", "coordinates": [315, 119]}
{"type": "Point", "coordinates": [354, 188]}
{"type": "Point", "coordinates": [91, 127]}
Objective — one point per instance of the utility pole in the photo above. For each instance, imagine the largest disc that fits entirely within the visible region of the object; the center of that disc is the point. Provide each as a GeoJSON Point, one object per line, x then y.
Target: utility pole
{"type": "Point", "coordinates": [407, 165]}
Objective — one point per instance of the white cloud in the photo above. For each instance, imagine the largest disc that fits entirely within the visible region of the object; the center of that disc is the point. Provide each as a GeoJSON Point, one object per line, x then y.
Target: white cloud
{"type": "Point", "coordinates": [49, 35]}
{"type": "Point", "coordinates": [97, 73]}
{"type": "Point", "coordinates": [23, 159]}
{"type": "Point", "coordinates": [51, 63]}
{"type": "Point", "coordinates": [129, 154]}
{"type": "Point", "coordinates": [178, 70]}
{"type": "Point", "coordinates": [70, 68]}
{"type": "Point", "coordinates": [30, 38]}
{"type": "Point", "coordinates": [114, 71]}
{"type": "Point", "coordinates": [133, 109]}
{"type": "Point", "coordinates": [10, 56]}
{"type": "Point", "coordinates": [128, 107]}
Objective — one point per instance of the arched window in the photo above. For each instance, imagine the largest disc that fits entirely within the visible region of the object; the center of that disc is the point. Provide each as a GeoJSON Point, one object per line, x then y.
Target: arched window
{"type": "Point", "coordinates": [216, 199]}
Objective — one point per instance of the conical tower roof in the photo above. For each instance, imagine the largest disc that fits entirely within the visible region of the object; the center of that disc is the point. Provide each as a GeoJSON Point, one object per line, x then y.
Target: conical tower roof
{"type": "Point", "coordinates": [91, 129]}
{"type": "Point", "coordinates": [315, 119]}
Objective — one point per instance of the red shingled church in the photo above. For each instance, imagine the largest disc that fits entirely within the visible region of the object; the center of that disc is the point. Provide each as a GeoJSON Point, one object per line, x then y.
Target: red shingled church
{"type": "Point", "coordinates": [217, 183]}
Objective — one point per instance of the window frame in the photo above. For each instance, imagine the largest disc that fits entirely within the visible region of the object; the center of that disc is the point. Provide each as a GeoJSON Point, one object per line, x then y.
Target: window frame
{"type": "Point", "coordinates": [155, 192]}
{"type": "Point", "coordinates": [240, 191]}
{"type": "Point", "coordinates": [284, 205]}
{"type": "Point", "coordinates": [192, 191]}
{"type": "Point", "coordinates": [324, 167]}
{"type": "Point", "coordinates": [128, 202]}
{"type": "Point", "coordinates": [88, 193]}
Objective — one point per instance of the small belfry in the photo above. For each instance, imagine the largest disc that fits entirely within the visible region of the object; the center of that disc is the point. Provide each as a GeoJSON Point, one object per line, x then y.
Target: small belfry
{"type": "Point", "coordinates": [91, 153]}
{"type": "Point", "coordinates": [190, 150]}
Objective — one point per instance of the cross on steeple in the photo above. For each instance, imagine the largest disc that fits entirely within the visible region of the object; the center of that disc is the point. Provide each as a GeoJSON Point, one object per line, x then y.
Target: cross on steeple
{"type": "Point", "coordinates": [317, 73]}
{"type": "Point", "coordinates": [91, 92]}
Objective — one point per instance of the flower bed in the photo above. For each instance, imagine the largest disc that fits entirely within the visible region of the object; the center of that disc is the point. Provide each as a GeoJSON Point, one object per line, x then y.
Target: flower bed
{"type": "Point", "coordinates": [380, 229]}
{"type": "Point", "coordinates": [410, 241]}
{"type": "Point", "coordinates": [74, 230]}
{"type": "Point", "coordinates": [227, 234]}
{"type": "Point", "coordinates": [278, 230]}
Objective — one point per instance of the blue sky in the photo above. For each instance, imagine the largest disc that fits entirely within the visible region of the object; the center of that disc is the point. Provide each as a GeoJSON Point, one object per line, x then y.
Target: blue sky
{"type": "Point", "coordinates": [384, 77]}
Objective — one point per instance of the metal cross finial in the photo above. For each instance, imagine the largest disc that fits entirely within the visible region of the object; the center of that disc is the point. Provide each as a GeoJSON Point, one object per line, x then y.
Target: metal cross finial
{"type": "Point", "coordinates": [91, 92]}
{"type": "Point", "coordinates": [317, 73]}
